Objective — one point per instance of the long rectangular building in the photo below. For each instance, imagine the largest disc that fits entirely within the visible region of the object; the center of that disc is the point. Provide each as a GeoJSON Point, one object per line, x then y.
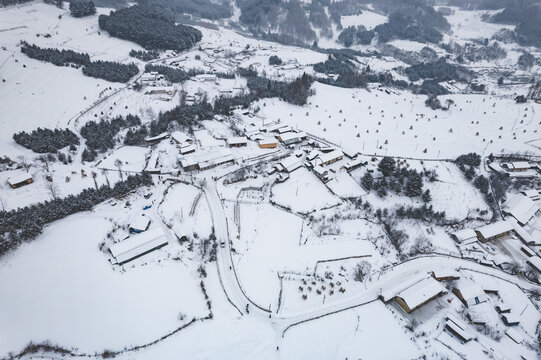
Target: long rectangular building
{"type": "Point", "coordinates": [206, 160]}
{"type": "Point", "coordinates": [138, 245]}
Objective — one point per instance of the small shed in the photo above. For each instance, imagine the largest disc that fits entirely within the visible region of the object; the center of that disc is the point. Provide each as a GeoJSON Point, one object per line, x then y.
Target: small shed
{"type": "Point", "coordinates": [443, 275]}
{"type": "Point", "coordinates": [157, 138]}
{"type": "Point", "coordinates": [457, 328]}
{"type": "Point", "coordinates": [139, 224]}
{"type": "Point", "coordinates": [187, 149]}
{"type": "Point", "coordinates": [514, 335]}
{"type": "Point", "coordinates": [19, 180]}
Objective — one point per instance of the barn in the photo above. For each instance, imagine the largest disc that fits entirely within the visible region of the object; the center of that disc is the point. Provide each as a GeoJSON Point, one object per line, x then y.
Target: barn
{"type": "Point", "coordinates": [494, 230]}
{"type": "Point", "coordinates": [138, 245]}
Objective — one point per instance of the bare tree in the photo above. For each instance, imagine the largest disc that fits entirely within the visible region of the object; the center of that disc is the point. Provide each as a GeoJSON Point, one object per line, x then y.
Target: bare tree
{"type": "Point", "coordinates": [3, 204]}
{"type": "Point", "coordinates": [24, 163]}
{"type": "Point", "coordinates": [44, 162]}
{"type": "Point", "coordinates": [53, 189]}
{"type": "Point", "coordinates": [118, 164]}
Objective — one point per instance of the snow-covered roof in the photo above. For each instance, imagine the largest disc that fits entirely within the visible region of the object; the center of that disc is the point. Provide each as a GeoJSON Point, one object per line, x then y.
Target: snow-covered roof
{"type": "Point", "coordinates": [473, 294]}
{"type": "Point", "coordinates": [333, 155]}
{"type": "Point", "coordinates": [268, 141]}
{"type": "Point", "coordinates": [291, 163]}
{"type": "Point", "coordinates": [179, 137]}
{"type": "Point", "coordinates": [208, 158]}
{"type": "Point", "coordinates": [445, 273]}
{"type": "Point", "coordinates": [284, 129]}
{"type": "Point", "coordinates": [237, 140]}
{"type": "Point", "coordinates": [290, 136]}
{"type": "Point", "coordinates": [465, 235]}
{"type": "Point", "coordinates": [514, 335]}
{"type": "Point", "coordinates": [495, 229]}
{"type": "Point", "coordinates": [187, 149]}
{"type": "Point", "coordinates": [520, 207]}
{"type": "Point", "coordinates": [531, 193]}
{"type": "Point", "coordinates": [137, 245]}
{"type": "Point", "coordinates": [512, 318]}
{"type": "Point", "coordinates": [320, 171]}
{"type": "Point", "coordinates": [19, 178]}
{"type": "Point", "coordinates": [424, 290]}
{"type": "Point", "coordinates": [271, 127]}
{"type": "Point", "coordinates": [157, 137]}
{"type": "Point", "coordinates": [140, 222]}
{"type": "Point", "coordinates": [458, 327]}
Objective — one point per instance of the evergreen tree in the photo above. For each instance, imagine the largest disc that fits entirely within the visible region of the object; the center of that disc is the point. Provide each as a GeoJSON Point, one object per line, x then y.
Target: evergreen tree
{"type": "Point", "coordinates": [367, 181]}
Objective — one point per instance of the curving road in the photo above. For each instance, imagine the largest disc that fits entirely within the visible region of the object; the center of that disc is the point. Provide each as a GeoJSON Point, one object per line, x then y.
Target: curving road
{"type": "Point", "coordinates": [390, 277]}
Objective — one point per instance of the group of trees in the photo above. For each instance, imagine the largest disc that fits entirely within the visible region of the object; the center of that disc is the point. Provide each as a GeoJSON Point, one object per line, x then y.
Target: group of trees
{"type": "Point", "coordinates": [440, 70]}
{"type": "Point", "coordinates": [468, 164]}
{"type": "Point", "coordinates": [82, 8]}
{"type": "Point", "coordinates": [111, 71]}
{"type": "Point", "coordinates": [172, 74]}
{"type": "Point", "coordinates": [46, 140]}
{"type": "Point", "coordinates": [398, 179]}
{"type": "Point", "coordinates": [356, 36]}
{"type": "Point", "coordinates": [107, 70]}
{"type": "Point", "coordinates": [275, 60]}
{"type": "Point", "coordinates": [526, 18]}
{"type": "Point", "coordinates": [100, 136]}
{"type": "Point", "coordinates": [476, 51]}
{"type": "Point", "coordinates": [24, 224]}
{"type": "Point", "coordinates": [144, 55]}
{"type": "Point", "coordinates": [337, 63]}
{"type": "Point", "coordinates": [149, 27]}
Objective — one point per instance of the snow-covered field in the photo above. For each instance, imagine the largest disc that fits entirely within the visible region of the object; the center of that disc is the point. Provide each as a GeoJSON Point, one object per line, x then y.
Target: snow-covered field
{"type": "Point", "coordinates": [267, 264]}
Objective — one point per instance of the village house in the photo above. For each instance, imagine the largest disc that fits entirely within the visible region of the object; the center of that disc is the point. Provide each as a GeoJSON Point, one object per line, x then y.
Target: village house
{"type": "Point", "coordinates": [464, 236]}
{"type": "Point", "coordinates": [331, 157]}
{"type": "Point", "coordinates": [470, 295]}
{"type": "Point", "coordinates": [290, 164]}
{"type": "Point", "coordinates": [156, 139]}
{"type": "Point", "coordinates": [321, 173]}
{"type": "Point", "coordinates": [206, 160]}
{"type": "Point", "coordinates": [289, 138]}
{"type": "Point", "coordinates": [237, 141]}
{"type": "Point", "coordinates": [268, 143]}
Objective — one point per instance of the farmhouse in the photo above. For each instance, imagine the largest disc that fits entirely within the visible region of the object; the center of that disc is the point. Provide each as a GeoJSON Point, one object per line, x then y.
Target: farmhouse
{"type": "Point", "coordinates": [268, 143]}
{"type": "Point", "coordinates": [20, 180]}
{"type": "Point", "coordinates": [289, 138]}
{"type": "Point", "coordinates": [237, 141]}
{"type": "Point", "coordinates": [419, 294]}
{"type": "Point", "coordinates": [332, 157]}
{"type": "Point", "coordinates": [138, 245]}
{"type": "Point", "coordinates": [139, 224]}
{"type": "Point", "coordinates": [321, 173]}
{"type": "Point", "coordinates": [521, 207]}
{"type": "Point", "coordinates": [494, 230]}
{"type": "Point", "coordinates": [464, 236]}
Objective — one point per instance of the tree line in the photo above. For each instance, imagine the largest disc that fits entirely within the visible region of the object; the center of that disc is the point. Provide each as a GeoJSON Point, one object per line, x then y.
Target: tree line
{"type": "Point", "coordinates": [25, 224]}
{"type": "Point", "coordinates": [46, 140]}
{"type": "Point", "coordinates": [149, 27]}
{"type": "Point", "coordinates": [82, 8]}
{"type": "Point", "coordinates": [107, 70]}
